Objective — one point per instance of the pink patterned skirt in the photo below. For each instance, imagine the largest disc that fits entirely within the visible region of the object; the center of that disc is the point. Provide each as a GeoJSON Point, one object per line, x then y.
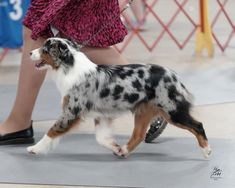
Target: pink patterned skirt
{"type": "Point", "coordinates": [93, 22]}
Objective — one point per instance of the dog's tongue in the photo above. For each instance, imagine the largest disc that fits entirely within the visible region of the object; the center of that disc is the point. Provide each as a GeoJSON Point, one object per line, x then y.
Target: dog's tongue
{"type": "Point", "coordinates": [38, 65]}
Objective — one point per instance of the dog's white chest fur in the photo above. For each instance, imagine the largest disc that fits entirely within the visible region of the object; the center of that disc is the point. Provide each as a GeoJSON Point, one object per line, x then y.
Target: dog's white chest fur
{"type": "Point", "coordinates": [65, 81]}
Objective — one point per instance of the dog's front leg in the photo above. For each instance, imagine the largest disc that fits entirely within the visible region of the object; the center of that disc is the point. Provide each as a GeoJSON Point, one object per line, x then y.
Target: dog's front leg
{"type": "Point", "coordinates": [66, 121]}
{"type": "Point", "coordinates": [51, 139]}
{"type": "Point", "coordinates": [104, 134]}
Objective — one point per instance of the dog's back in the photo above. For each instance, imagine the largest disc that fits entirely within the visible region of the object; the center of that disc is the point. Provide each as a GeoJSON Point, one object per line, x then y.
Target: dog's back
{"type": "Point", "coordinates": [124, 87]}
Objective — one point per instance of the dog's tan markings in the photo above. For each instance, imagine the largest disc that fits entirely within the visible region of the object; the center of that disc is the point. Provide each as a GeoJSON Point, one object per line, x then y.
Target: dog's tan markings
{"type": "Point", "coordinates": [65, 101]}
{"type": "Point", "coordinates": [201, 140]}
{"type": "Point", "coordinates": [58, 130]}
{"type": "Point", "coordinates": [143, 116]}
{"type": "Point", "coordinates": [48, 60]}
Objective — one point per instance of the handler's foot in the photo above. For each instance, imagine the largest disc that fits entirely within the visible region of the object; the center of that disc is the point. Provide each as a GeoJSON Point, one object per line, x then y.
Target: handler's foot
{"type": "Point", "coordinates": [11, 134]}
{"type": "Point", "coordinates": [156, 128]}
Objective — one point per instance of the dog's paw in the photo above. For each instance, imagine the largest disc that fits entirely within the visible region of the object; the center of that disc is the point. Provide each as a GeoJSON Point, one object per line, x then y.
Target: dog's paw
{"type": "Point", "coordinates": [118, 152]}
{"type": "Point", "coordinates": [38, 149]}
{"type": "Point", "coordinates": [122, 152]}
{"type": "Point", "coordinates": [207, 151]}
{"type": "Point", "coordinates": [42, 147]}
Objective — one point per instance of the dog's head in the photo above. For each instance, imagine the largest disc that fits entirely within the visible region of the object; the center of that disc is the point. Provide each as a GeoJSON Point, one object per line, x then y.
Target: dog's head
{"type": "Point", "coordinates": [55, 53]}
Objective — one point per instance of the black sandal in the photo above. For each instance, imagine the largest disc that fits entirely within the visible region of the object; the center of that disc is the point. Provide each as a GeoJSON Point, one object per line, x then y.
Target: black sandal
{"type": "Point", "coordinates": [155, 130]}
{"type": "Point", "coordinates": [20, 137]}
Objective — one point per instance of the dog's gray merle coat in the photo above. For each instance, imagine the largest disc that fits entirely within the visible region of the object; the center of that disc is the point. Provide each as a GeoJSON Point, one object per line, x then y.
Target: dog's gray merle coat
{"type": "Point", "coordinates": [112, 89]}
{"type": "Point", "coordinates": [115, 89]}
{"type": "Point", "coordinates": [109, 90]}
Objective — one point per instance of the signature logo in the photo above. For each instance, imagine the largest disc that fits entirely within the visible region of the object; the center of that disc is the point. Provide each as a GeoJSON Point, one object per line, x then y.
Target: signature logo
{"type": "Point", "coordinates": [216, 173]}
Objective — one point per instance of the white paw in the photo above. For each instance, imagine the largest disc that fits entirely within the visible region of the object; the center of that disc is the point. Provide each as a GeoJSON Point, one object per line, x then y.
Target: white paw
{"type": "Point", "coordinates": [38, 149]}
{"type": "Point", "coordinates": [123, 151]}
{"type": "Point", "coordinates": [117, 151]}
{"type": "Point", "coordinates": [207, 151]}
{"type": "Point", "coordinates": [43, 146]}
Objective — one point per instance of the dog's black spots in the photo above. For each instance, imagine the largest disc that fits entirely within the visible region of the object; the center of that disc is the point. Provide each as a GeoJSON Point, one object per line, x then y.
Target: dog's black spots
{"type": "Point", "coordinates": [137, 85]}
{"type": "Point", "coordinates": [89, 105]}
{"type": "Point", "coordinates": [69, 124]}
{"type": "Point", "coordinates": [173, 93]}
{"type": "Point", "coordinates": [159, 105]}
{"type": "Point", "coordinates": [87, 85]}
{"type": "Point", "coordinates": [64, 54]}
{"type": "Point", "coordinates": [156, 74]}
{"type": "Point", "coordinates": [155, 69]}
{"type": "Point", "coordinates": [129, 72]}
{"type": "Point", "coordinates": [140, 73]}
{"type": "Point", "coordinates": [174, 78]}
{"type": "Point", "coordinates": [76, 110]}
{"type": "Point", "coordinates": [96, 84]}
{"type": "Point", "coordinates": [117, 90]}
{"type": "Point", "coordinates": [178, 117]}
{"type": "Point", "coordinates": [47, 45]}
{"type": "Point", "coordinates": [104, 92]}
{"type": "Point", "coordinates": [70, 59]}
{"type": "Point", "coordinates": [61, 127]}
{"type": "Point", "coordinates": [67, 59]}
{"type": "Point", "coordinates": [150, 92]}
{"type": "Point", "coordinates": [181, 113]}
{"type": "Point", "coordinates": [75, 99]}
{"type": "Point", "coordinates": [132, 97]}
{"type": "Point", "coordinates": [121, 73]}
{"type": "Point", "coordinates": [134, 66]}
{"type": "Point", "coordinates": [167, 79]}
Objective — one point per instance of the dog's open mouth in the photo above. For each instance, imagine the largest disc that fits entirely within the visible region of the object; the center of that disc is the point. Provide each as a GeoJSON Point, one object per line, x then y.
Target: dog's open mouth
{"type": "Point", "coordinates": [40, 64]}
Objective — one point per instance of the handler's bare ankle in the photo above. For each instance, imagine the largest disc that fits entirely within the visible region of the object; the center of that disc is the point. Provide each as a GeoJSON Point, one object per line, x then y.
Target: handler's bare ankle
{"type": "Point", "coordinates": [13, 124]}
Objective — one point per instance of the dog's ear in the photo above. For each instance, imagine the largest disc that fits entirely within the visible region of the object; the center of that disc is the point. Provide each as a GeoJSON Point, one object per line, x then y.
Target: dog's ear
{"type": "Point", "coordinates": [65, 55]}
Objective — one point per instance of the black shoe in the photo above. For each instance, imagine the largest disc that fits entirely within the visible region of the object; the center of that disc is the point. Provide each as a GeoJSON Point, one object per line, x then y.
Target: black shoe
{"type": "Point", "coordinates": [156, 128]}
{"type": "Point", "coordinates": [20, 137]}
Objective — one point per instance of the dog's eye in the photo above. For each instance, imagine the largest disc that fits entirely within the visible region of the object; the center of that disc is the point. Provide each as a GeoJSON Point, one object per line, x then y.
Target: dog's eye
{"type": "Point", "coordinates": [62, 47]}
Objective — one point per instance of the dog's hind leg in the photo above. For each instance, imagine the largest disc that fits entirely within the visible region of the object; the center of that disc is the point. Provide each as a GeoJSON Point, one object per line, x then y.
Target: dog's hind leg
{"type": "Point", "coordinates": [143, 117]}
{"type": "Point", "coordinates": [104, 135]}
{"type": "Point", "coordinates": [68, 119]}
{"type": "Point", "coordinates": [184, 120]}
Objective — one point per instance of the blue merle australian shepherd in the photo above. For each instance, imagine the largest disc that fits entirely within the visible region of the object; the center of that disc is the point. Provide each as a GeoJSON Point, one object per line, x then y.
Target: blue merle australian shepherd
{"type": "Point", "coordinates": [106, 91]}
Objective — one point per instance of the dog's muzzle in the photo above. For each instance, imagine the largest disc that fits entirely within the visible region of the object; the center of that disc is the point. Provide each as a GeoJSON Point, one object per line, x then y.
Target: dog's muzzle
{"type": "Point", "coordinates": [35, 55]}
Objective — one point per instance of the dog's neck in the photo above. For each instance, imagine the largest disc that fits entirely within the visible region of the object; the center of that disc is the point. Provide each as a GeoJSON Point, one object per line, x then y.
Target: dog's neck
{"type": "Point", "coordinates": [76, 74]}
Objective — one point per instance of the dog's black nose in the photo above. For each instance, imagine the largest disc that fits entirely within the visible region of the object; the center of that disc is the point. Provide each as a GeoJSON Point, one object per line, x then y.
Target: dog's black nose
{"type": "Point", "coordinates": [30, 53]}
